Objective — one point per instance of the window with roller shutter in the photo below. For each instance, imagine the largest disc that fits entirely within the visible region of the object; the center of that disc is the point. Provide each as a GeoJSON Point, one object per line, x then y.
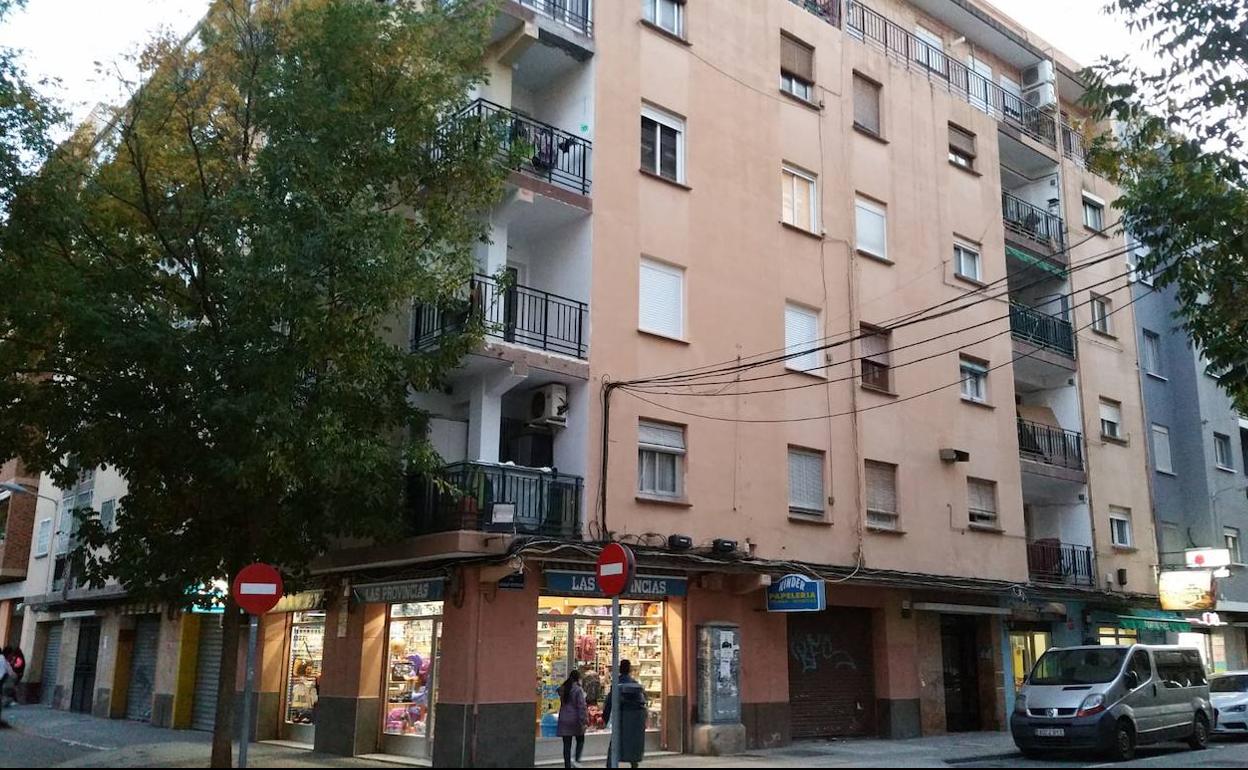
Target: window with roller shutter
{"type": "Point", "coordinates": [881, 495]}
{"type": "Point", "coordinates": [797, 67]}
{"type": "Point", "coordinates": [870, 228]}
{"type": "Point", "coordinates": [982, 502]}
{"type": "Point", "coordinates": [798, 200]}
{"type": "Point", "coordinates": [961, 147]}
{"type": "Point", "coordinates": [867, 104]}
{"type": "Point", "coordinates": [876, 359]}
{"type": "Point", "coordinates": [806, 482]}
{"type": "Point", "coordinates": [801, 333]}
{"type": "Point", "coordinates": [661, 299]}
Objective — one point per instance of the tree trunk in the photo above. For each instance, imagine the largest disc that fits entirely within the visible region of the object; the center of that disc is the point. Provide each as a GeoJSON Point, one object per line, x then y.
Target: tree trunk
{"type": "Point", "coordinates": [223, 730]}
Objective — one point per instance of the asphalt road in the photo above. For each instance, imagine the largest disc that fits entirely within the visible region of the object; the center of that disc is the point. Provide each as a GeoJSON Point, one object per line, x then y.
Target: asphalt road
{"type": "Point", "coordinates": [1222, 752]}
{"type": "Point", "coordinates": [22, 749]}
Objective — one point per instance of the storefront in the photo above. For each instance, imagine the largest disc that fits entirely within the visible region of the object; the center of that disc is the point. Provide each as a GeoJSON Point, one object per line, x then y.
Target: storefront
{"type": "Point", "coordinates": [304, 660]}
{"type": "Point", "coordinates": [1028, 641]}
{"type": "Point", "coordinates": [1134, 626]}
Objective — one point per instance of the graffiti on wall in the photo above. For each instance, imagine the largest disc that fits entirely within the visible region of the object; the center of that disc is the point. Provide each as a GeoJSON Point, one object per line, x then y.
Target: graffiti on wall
{"type": "Point", "coordinates": [813, 650]}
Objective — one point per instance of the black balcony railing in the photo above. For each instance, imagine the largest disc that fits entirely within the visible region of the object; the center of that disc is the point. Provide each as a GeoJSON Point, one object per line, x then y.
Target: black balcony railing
{"type": "Point", "coordinates": [828, 10]}
{"type": "Point", "coordinates": [1032, 222]}
{"type": "Point", "coordinates": [1050, 446]}
{"type": "Point", "coordinates": [532, 147]}
{"type": "Point", "coordinates": [962, 81]}
{"type": "Point", "coordinates": [1051, 561]}
{"type": "Point", "coordinates": [577, 14]}
{"type": "Point", "coordinates": [481, 497]}
{"type": "Point", "coordinates": [1074, 146]}
{"type": "Point", "coordinates": [518, 314]}
{"type": "Point", "coordinates": [1042, 329]}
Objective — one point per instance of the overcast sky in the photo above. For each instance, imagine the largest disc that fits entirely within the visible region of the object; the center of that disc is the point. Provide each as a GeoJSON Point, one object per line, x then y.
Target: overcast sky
{"type": "Point", "coordinates": [64, 39]}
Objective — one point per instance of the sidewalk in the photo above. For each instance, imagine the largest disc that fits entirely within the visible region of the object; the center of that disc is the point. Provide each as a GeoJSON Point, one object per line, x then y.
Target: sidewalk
{"type": "Point", "coordinates": [41, 737]}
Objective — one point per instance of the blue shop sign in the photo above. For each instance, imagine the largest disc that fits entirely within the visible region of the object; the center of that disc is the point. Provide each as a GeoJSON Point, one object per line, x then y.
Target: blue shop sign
{"type": "Point", "coordinates": [643, 586]}
{"type": "Point", "coordinates": [796, 593]}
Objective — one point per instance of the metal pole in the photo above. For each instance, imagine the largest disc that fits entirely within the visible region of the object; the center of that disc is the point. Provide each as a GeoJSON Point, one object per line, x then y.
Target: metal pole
{"type": "Point", "coordinates": [245, 736]}
{"type": "Point", "coordinates": [613, 759]}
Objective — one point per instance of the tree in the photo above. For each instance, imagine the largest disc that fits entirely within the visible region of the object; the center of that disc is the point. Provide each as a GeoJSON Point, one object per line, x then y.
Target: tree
{"type": "Point", "coordinates": [1179, 156]}
{"type": "Point", "coordinates": [205, 290]}
{"type": "Point", "coordinates": [27, 117]}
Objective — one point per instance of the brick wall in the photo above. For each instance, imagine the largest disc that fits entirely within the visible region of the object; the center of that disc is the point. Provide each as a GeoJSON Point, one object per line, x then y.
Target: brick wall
{"type": "Point", "coordinates": [20, 526]}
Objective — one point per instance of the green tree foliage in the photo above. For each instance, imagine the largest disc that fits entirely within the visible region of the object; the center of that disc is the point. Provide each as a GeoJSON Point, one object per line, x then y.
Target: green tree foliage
{"type": "Point", "coordinates": [26, 118]}
{"type": "Point", "coordinates": [1180, 157]}
{"type": "Point", "coordinates": [209, 289]}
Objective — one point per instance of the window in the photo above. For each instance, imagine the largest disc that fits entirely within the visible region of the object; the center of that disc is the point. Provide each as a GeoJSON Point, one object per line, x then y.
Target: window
{"type": "Point", "coordinates": [1222, 452]}
{"type": "Point", "coordinates": [1180, 668]}
{"type": "Point", "coordinates": [108, 514]}
{"type": "Point", "coordinates": [876, 372]}
{"type": "Point", "coordinates": [668, 15]}
{"type": "Point", "coordinates": [867, 104]}
{"type": "Point", "coordinates": [806, 481]}
{"type": "Point", "coordinates": [881, 495]}
{"type": "Point", "coordinates": [1093, 212]}
{"type": "Point", "coordinates": [1161, 449]}
{"type": "Point", "coordinates": [871, 228]}
{"type": "Point", "coordinates": [661, 299]}
{"type": "Point", "coordinates": [797, 67]}
{"type": "Point", "coordinates": [1230, 537]}
{"type": "Point", "coordinates": [1113, 636]}
{"type": "Point", "coordinates": [1142, 668]}
{"type": "Point", "coordinates": [660, 459]}
{"type": "Point", "coordinates": [966, 261]}
{"type": "Point", "coordinates": [979, 84]}
{"type": "Point", "coordinates": [1111, 419]}
{"type": "Point", "coordinates": [801, 333]}
{"type": "Point", "coordinates": [663, 144]}
{"type": "Point", "coordinates": [961, 147]}
{"type": "Point", "coordinates": [974, 380]}
{"type": "Point", "coordinates": [1120, 527]}
{"type": "Point", "coordinates": [1152, 353]}
{"type": "Point", "coordinates": [43, 537]}
{"type": "Point", "coordinates": [1101, 308]}
{"type": "Point", "coordinates": [929, 51]}
{"type": "Point", "coordinates": [798, 199]}
{"type": "Point", "coordinates": [1172, 546]}
{"type": "Point", "coordinates": [1012, 98]}
{"type": "Point", "coordinates": [982, 502]}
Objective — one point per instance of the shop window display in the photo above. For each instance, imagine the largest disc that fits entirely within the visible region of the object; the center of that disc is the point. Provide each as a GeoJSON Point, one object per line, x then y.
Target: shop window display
{"type": "Point", "coordinates": [411, 681]}
{"type": "Point", "coordinates": [575, 634]}
{"type": "Point", "coordinates": [307, 642]}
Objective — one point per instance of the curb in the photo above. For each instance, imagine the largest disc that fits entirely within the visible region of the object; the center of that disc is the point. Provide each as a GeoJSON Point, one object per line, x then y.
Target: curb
{"type": "Point", "coordinates": [983, 758]}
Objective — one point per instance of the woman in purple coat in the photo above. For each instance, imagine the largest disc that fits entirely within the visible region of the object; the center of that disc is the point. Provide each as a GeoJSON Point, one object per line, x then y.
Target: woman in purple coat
{"type": "Point", "coordinates": [573, 718]}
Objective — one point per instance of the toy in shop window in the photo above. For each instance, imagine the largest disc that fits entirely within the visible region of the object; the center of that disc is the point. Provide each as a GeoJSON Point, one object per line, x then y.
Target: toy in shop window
{"type": "Point", "coordinates": [411, 673]}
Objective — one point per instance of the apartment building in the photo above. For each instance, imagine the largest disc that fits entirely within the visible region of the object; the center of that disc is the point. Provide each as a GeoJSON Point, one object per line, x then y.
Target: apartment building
{"type": "Point", "coordinates": [1198, 447]}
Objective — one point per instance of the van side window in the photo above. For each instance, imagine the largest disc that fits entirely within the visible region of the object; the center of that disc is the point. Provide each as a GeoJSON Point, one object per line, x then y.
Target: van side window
{"type": "Point", "coordinates": [1196, 667]}
{"type": "Point", "coordinates": [1139, 664]}
{"type": "Point", "coordinates": [1180, 668]}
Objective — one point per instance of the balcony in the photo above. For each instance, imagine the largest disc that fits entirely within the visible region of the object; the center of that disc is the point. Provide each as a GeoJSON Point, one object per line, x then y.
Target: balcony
{"type": "Point", "coordinates": [1035, 227]}
{"type": "Point", "coordinates": [828, 10]}
{"type": "Point", "coordinates": [1047, 445]}
{"type": "Point", "coordinates": [1074, 146]}
{"type": "Point", "coordinates": [1052, 561]}
{"type": "Point", "coordinates": [482, 497]}
{"type": "Point", "coordinates": [1042, 330]}
{"type": "Point", "coordinates": [576, 14]}
{"type": "Point", "coordinates": [533, 148]}
{"type": "Point", "coordinates": [899, 44]}
{"type": "Point", "coordinates": [517, 314]}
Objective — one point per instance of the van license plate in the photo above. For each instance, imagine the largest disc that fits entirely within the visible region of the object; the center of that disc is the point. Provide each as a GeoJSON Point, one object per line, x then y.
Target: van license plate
{"type": "Point", "coordinates": [1050, 732]}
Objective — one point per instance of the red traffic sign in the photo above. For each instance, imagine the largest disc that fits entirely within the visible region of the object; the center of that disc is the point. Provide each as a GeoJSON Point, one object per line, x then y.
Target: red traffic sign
{"type": "Point", "coordinates": [257, 588]}
{"type": "Point", "coordinates": [615, 569]}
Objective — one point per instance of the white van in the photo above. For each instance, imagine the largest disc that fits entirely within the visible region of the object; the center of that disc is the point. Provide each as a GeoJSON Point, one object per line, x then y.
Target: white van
{"type": "Point", "coordinates": [1112, 699]}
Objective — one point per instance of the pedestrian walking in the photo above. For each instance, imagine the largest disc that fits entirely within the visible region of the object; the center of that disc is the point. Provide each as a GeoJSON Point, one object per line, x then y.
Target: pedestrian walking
{"type": "Point", "coordinates": [17, 662]}
{"type": "Point", "coordinates": [6, 673]}
{"type": "Point", "coordinates": [632, 716]}
{"type": "Point", "coordinates": [573, 718]}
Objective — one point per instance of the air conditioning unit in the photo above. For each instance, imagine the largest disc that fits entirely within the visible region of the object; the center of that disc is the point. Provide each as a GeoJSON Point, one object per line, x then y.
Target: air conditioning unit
{"type": "Point", "coordinates": [1038, 74]}
{"type": "Point", "coordinates": [549, 405]}
{"type": "Point", "coordinates": [1041, 96]}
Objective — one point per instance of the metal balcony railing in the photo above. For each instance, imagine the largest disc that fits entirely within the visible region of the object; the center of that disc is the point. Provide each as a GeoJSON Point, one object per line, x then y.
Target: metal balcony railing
{"type": "Point", "coordinates": [531, 147]}
{"type": "Point", "coordinates": [962, 81]}
{"type": "Point", "coordinates": [518, 314]}
{"type": "Point", "coordinates": [1051, 561]}
{"type": "Point", "coordinates": [1042, 329]}
{"type": "Point", "coordinates": [1032, 222]}
{"type": "Point", "coordinates": [828, 10]}
{"type": "Point", "coordinates": [481, 497]}
{"type": "Point", "coordinates": [577, 14]}
{"type": "Point", "coordinates": [1050, 446]}
{"type": "Point", "coordinates": [1073, 145]}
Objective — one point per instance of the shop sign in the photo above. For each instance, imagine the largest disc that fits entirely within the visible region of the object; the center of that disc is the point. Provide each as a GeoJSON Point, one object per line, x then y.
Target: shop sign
{"type": "Point", "coordinates": [1207, 558]}
{"type": "Point", "coordinates": [796, 593]}
{"type": "Point", "coordinates": [642, 587]}
{"type": "Point", "coordinates": [400, 592]}
{"type": "Point", "coordinates": [512, 582]}
{"type": "Point", "coordinates": [1186, 590]}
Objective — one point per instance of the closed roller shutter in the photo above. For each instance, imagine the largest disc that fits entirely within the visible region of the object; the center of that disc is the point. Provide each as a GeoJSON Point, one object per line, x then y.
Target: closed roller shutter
{"type": "Point", "coordinates": [51, 663]}
{"type": "Point", "coordinates": [207, 673]}
{"type": "Point", "coordinates": [831, 678]}
{"type": "Point", "coordinates": [143, 668]}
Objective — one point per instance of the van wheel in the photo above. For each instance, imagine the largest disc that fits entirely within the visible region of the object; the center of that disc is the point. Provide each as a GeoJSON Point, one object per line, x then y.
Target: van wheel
{"type": "Point", "coordinates": [1200, 734]}
{"type": "Point", "coordinates": [1123, 748]}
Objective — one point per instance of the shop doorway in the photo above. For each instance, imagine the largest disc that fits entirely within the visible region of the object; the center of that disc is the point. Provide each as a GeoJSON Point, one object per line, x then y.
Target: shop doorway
{"type": "Point", "coordinates": [411, 679]}
{"type": "Point", "coordinates": [574, 634]}
{"type": "Point", "coordinates": [143, 654]}
{"type": "Point", "coordinates": [207, 672]}
{"type": "Point", "coordinates": [961, 672]}
{"type": "Point", "coordinates": [303, 676]}
{"type": "Point", "coordinates": [51, 664]}
{"type": "Point", "coordinates": [83, 693]}
{"type": "Point", "coordinates": [831, 673]}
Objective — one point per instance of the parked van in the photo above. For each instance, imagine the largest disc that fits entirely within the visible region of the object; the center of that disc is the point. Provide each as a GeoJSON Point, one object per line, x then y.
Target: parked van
{"type": "Point", "coordinates": [1112, 699]}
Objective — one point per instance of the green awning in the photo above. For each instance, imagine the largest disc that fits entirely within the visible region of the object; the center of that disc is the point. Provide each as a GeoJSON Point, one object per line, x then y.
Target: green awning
{"type": "Point", "coordinates": [1032, 260]}
{"type": "Point", "coordinates": [1154, 620]}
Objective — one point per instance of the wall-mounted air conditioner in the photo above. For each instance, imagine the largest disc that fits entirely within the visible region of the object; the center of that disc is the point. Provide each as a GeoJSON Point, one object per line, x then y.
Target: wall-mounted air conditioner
{"type": "Point", "coordinates": [549, 405]}
{"type": "Point", "coordinates": [1040, 85]}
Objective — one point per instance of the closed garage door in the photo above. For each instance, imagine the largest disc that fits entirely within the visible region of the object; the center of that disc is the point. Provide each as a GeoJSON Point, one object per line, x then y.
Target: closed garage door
{"type": "Point", "coordinates": [143, 668]}
{"type": "Point", "coordinates": [831, 678]}
{"type": "Point", "coordinates": [51, 663]}
{"type": "Point", "coordinates": [207, 670]}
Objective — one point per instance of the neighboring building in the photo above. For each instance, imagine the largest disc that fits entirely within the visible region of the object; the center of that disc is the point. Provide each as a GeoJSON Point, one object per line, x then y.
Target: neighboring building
{"type": "Point", "coordinates": [17, 530]}
{"type": "Point", "coordinates": [1199, 452]}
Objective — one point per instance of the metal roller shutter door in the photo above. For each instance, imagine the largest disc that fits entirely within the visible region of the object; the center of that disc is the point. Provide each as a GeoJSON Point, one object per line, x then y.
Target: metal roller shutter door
{"type": "Point", "coordinates": [143, 668]}
{"type": "Point", "coordinates": [51, 663]}
{"type": "Point", "coordinates": [831, 676]}
{"type": "Point", "coordinates": [207, 672]}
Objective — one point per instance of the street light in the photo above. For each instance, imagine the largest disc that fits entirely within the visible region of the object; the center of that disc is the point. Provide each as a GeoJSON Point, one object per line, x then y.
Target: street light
{"type": "Point", "coordinates": [22, 489]}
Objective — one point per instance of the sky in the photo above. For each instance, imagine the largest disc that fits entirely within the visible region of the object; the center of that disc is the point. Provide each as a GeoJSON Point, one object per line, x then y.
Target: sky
{"type": "Point", "coordinates": [65, 39]}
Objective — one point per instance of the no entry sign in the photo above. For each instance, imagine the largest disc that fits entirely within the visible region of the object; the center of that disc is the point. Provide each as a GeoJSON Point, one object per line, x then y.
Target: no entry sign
{"type": "Point", "coordinates": [257, 588]}
{"type": "Point", "coordinates": [615, 569]}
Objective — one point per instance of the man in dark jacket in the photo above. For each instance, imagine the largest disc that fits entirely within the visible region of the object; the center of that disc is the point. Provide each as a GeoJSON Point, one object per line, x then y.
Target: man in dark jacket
{"type": "Point", "coordinates": [632, 716]}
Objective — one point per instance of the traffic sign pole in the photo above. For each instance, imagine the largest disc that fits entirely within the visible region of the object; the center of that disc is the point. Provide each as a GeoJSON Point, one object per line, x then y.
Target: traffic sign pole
{"type": "Point", "coordinates": [613, 757]}
{"type": "Point", "coordinates": [248, 684]}
{"type": "Point", "coordinates": [616, 565]}
{"type": "Point", "coordinates": [257, 589]}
